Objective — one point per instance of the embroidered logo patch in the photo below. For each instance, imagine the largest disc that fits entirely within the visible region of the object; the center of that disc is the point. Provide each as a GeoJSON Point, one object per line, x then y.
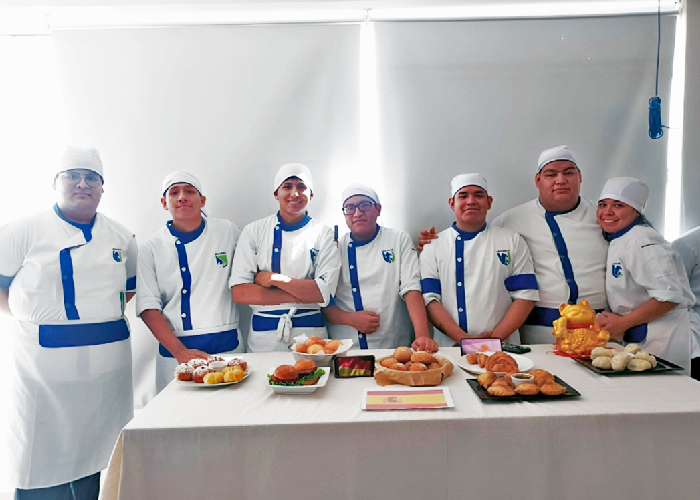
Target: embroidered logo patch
{"type": "Point", "coordinates": [616, 269]}
{"type": "Point", "coordinates": [117, 254]}
{"type": "Point", "coordinates": [314, 253]}
{"type": "Point", "coordinates": [221, 259]}
{"type": "Point", "coordinates": [503, 256]}
{"type": "Point", "coordinates": [389, 255]}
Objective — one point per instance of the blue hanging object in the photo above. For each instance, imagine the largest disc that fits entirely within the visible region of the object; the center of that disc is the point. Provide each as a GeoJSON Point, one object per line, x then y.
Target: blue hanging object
{"type": "Point", "coordinates": [655, 130]}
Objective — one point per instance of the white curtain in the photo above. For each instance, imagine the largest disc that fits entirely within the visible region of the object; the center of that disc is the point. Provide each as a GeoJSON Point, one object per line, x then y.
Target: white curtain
{"type": "Point", "coordinates": [489, 96]}
{"type": "Point", "coordinates": [231, 104]}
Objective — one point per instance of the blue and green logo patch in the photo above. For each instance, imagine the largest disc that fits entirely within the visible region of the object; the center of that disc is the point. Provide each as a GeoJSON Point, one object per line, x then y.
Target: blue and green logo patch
{"type": "Point", "coordinates": [221, 259]}
{"type": "Point", "coordinates": [118, 254]}
{"type": "Point", "coordinates": [503, 256]}
{"type": "Point", "coordinates": [389, 255]}
{"type": "Point", "coordinates": [314, 253]}
{"type": "Point", "coordinates": [616, 269]}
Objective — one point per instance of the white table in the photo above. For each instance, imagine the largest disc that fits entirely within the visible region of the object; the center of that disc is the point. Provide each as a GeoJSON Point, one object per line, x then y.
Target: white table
{"type": "Point", "coordinates": [632, 437]}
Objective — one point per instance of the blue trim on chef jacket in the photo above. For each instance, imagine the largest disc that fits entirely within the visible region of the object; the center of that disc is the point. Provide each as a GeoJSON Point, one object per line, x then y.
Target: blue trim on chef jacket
{"type": "Point", "coordinates": [84, 334]}
{"type": "Point", "coordinates": [560, 244]}
{"type": "Point", "coordinates": [66, 264]}
{"type": "Point", "coordinates": [181, 239]}
{"type": "Point", "coordinates": [131, 284]}
{"type": "Point", "coordinates": [5, 281]}
{"type": "Point", "coordinates": [611, 236]}
{"type": "Point", "coordinates": [211, 343]}
{"type": "Point", "coordinates": [277, 239]}
{"type": "Point", "coordinates": [636, 333]}
{"type": "Point", "coordinates": [355, 280]}
{"type": "Point", "coordinates": [462, 236]}
{"type": "Point", "coordinates": [520, 282]}
{"type": "Point", "coordinates": [431, 285]}
{"type": "Point", "coordinates": [265, 324]}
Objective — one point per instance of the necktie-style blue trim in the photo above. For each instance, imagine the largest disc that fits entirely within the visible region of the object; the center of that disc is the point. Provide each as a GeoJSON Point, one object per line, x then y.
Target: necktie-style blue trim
{"type": "Point", "coordinates": [85, 228]}
{"type": "Point", "coordinates": [355, 284]}
{"type": "Point", "coordinates": [612, 236]}
{"type": "Point", "coordinates": [359, 243]}
{"type": "Point", "coordinates": [462, 236]}
{"type": "Point", "coordinates": [563, 252]}
{"type": "Point", "coordinates": [187, 237]}
{"type": "Point", "coordinates": [185, 275]}
{"type": "Point", "coordinates": [293, 227]}
{"type": "Point", "coordinates": [275, 265]}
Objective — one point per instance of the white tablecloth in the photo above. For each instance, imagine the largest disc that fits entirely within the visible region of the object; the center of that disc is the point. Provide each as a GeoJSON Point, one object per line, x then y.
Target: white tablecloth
{"type": "Point", "coordinates": [627, 437]}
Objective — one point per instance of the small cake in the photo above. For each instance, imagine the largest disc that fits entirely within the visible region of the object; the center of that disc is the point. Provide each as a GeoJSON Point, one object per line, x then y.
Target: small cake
{"type": "Point", "coordinates": [214, 357]}
{"type": "Point", "coordinates": [199, 373]}
{"type": "Point", "coordinates": [197, 362]}
{"type": "Point", "coordinates": [184, 372]}
{"type": "Point", "coordinates": [238, 362]}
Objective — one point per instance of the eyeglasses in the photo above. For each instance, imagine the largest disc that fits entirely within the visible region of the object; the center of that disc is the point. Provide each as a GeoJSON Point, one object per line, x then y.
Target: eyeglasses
{"type": "Point", "coordinates": [73, 178]}
{"type": "Point", "coordinates": [364, 206]}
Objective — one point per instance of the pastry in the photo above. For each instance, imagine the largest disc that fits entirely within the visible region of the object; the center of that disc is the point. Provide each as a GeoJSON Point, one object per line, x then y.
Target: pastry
{"type": "Point", "coordinates": [301, 348]}
{"type": "Point", "coordinates": [603, 362]}
{"type": "Point", "coordinates": [527, 389]}
{"type": "Point", "coordinates": [541, 377]}
{"type": "Point", "coordinates": [633, 348]}
{"type": "Point", "coordinates": [500, 390]}
{"type": "Point", "coordinates": [602, 351]}
{"type": "Point", "coordinates": [482, 359]}
{"type": "Point", "coordinates": [638, 365]}
{"type": "Point", "coordinates": [503, 361]}
{"type": "Point", "coordinates": [388, 362]}
{"type": "Point", "coordinates": [486, 379]}
{"type": "Point", "coordinates": [552, 389]}
{"type": "Point", "coordinates": [472, 358]}
{"type": "Point", "coordinates": [197, 362]}
{"type": "Point", "coordinates": [402, 354]}
{"type": "Point", "coordinates": [214, 357]}
{"type": "Point", "coordinates": [504, 382]}
{"type": "Point", "coordinates": [315, 340]}
{"type": "Point", "coordinates": [238, 362]}
{"type": "Point", "coordinates": [423, 357]}
{"type": "Point", "coordinates": [434, 366]}
{"type": "Point", "coordinates": [646, 356]}
{"type": "Point", "coordinates": [199, 373]}
{"type": "Point", "coordinates": [314, 349]}
{"type": "Point", "coordinates": [619, 361]}
{"type": "Point", "coordinates": [331, 346]}
{"type": "Point", "coordinates": [417, 367]}
{"type": "Point", "coordinates": [184, 372]}
{"type": "Point", "coordinates": [400, 367]}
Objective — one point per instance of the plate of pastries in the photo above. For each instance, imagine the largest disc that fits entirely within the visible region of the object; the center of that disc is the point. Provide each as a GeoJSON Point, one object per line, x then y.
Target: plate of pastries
{"type": "Point", "coordinates": [537, 385]}
{"type": "Point", "coordinates": [498, 362]}
{"type": "Point", "coordinates": [303, 377]}
{"type": "Point", "coordinates": [215, 371]}
{"type": "Point", "coordinates": [632, 360]}
{"type": "Point", "coordinates": [413, 368]}
{"type": "Point", "coordinates": [319, 349]}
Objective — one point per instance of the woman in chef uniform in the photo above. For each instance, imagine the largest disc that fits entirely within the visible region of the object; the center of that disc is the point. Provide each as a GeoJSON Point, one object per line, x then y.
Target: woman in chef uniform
{"type": "Point", "coordinates": [183, 294]}
{"type": "Point", "coordinates": [647, 289]}
{"type": "Point", "coordinates": [286, 266]}
{"type": "Point", "coordinates": [70, 271]}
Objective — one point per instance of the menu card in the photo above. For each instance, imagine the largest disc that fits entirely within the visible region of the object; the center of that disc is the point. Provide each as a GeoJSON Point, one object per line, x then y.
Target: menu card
{"type": "Point", "coordinates": [407, 398]}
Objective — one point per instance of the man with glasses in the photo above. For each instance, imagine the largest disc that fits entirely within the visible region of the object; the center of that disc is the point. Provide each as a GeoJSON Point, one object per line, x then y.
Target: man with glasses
{"type": "Point", "coordinates": [379, 267]}
{"type": "Point", "coordinates": [66, 275]}
{"type": "Point", "coordinates": [478, 280]}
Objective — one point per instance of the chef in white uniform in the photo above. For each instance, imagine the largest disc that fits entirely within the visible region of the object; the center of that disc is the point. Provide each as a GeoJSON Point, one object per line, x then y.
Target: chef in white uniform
{"type": "Point", "coordinates": [477, 279]}
{"type": "Point", "coordinates": [562, 233]}
{"type": "Point", "coordinates": [688, 247]}
{"type": "Point", "coordinates": [286, 267]}
{"type": "Point", "coordinates": [378, 300]}
{"type": "Point", "coordinates": [70, 271]}
{"type": "Point", "coordinates": [183, 294]}
{"type": "Point", "coordinates": [645, 281]}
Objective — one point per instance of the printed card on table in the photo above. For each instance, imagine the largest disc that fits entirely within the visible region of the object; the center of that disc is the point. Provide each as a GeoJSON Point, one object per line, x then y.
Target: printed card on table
{"type": "Point", "coordinates": [407, 398]}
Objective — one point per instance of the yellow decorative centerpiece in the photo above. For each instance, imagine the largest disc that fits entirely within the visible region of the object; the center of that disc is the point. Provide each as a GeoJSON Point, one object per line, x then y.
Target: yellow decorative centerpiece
{"type": "Point", "coordinates": [577, 330]}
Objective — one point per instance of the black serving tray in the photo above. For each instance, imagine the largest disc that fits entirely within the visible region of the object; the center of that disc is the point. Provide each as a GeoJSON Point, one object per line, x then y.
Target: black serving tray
{"type": "Point", "coordinates": [481, 392]}
{"type": "Point", "coordinates": [661, 366]}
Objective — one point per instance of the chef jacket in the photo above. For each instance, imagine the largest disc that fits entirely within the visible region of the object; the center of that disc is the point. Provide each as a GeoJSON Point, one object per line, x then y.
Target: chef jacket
{"type": "Point", "coordinates": [305, 250]}
{"type": "Point", "coordinates": [185, 276]}
{"type": "Point", "coordinates": [375, 275]}
{"type": "Point", "coordinates": [688, 247]}
{"type": "Point", "coordinates": [476, 276]}
{"type": "Point", "coordinates": [568, 252]}
{"type": "Point", "coordinates": [72, 389]}
{"type": "Point", "coordinates": [642, 265]}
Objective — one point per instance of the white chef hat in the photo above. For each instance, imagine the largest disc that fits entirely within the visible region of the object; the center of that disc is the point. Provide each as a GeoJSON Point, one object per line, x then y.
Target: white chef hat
{"type": "Point", "coordinates": [74, 158]}
{"type": "Point", "coordinates": [462, 180]}
{"type": "Point", "coordinates": [555, 154]}
{"type": "Point", "coordinates": [627, 190]}
{"type": "Point", "coordinates": [180, 176]}
{"type": "Point", "coordinates": [294, 170]}
{"type": "Point", "coordinates": [361, 189]}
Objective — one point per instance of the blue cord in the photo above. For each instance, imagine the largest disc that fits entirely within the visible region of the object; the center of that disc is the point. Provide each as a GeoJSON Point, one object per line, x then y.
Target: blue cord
{"type": "Point", "coordinates": [655, 127]}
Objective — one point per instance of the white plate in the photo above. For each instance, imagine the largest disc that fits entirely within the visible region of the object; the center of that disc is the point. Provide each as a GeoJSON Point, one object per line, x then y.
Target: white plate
{"type": "Point", "coordinates": [203, 385]}
{"type": "Point", "coordinates": [524, 364]}
{"type": "Point", "coordinates": [298, 389]}
{"type": "Point", "coordinates": [321, 359]}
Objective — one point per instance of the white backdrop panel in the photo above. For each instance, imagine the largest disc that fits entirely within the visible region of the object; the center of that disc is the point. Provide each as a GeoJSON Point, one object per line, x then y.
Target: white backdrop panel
{"type": "Point", "coordinates": [490, 96]}
{"type": "Point", "coordinates": [231, 104]}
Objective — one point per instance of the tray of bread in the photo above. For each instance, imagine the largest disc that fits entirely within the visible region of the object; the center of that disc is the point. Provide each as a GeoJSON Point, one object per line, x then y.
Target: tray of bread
{"type": "Point", "coordinates": [538, 385]}
{"type": "Point", "coordinates": [412, 368]}
{"type": "Point", "coordinates": [215, 371]}
{"type": "Point", "coordinates": [499, 362]}
{"type": "Point", "coordinates": [631, 360]}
